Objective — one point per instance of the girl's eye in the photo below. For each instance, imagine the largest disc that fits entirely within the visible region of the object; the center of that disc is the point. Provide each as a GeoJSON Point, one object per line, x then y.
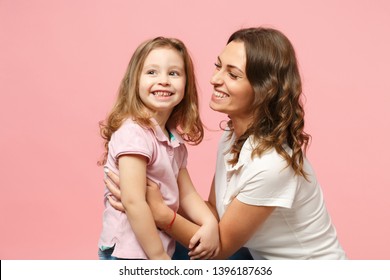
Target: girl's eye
{"type": "Point", "coordinates": [218, 66]}
{"type": "Point", "coordinates": [151, 72]}
{"type": "Point", "coordinates": [174, 73]}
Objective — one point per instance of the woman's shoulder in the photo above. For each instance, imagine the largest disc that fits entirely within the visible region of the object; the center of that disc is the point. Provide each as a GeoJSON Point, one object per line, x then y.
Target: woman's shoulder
{"type": "Point", "coordinates": [272, 162]}
{"type": "Point", "coordinates": [269, 162]}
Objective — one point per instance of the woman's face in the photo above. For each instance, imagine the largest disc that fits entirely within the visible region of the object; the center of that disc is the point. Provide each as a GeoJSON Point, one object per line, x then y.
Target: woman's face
{"type": "Point", "coordinates": [232, 94]}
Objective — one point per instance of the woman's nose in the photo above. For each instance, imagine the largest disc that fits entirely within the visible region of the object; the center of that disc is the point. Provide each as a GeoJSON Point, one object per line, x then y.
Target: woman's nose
{"type": "Point", "coordinates": [216, 78]}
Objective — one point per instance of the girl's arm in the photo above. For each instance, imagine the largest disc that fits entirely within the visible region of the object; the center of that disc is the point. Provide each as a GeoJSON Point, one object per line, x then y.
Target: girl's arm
{"type": "Point", "coordinates": [194, 207]}
{"type": "Point", "coordinates": [132, 181]}
{"type": "Point", "coordinates": [191, 202]}
{"type": "Point", "coordinates": [181, 230]}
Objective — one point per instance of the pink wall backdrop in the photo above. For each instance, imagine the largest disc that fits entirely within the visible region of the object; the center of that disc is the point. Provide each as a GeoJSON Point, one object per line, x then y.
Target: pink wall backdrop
{"type": "Point", "coordinates": [60, 66]}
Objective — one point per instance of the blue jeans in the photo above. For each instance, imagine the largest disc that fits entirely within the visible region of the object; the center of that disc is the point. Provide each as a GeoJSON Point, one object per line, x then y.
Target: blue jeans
{"type": "Point", "coordinates": [107, 255]}
{"type": "Point", "coordinates": [181, 253]}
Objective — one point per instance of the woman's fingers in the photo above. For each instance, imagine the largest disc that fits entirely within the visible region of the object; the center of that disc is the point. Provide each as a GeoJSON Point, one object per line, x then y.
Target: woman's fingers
{"type": "Point", "coordinates": [112, 183]}
{"type": "Point", "coordinates": [199, 253]}
{"type": "Point", "coordinates": [114, 189]}
{"type": "Point", "coordinates": [151, 183]}
{"type": "Point", "coordinates": [215, 253]}
{"type": "Point", "coordinates": [113, 177]}
{"type": "Point", "coordinates": [153, 195]}
{"type": "Point", "coordinates": [116, 204]}
{"type": "Point", "coordinates": [194, 241]}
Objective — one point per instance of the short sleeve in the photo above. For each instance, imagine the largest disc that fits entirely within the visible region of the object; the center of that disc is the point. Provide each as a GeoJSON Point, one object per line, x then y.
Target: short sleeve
{"type": "Point", "coordinates": [182, 156]}
{"type": "Point", "coordinates": [131, 138]}
{"type": "Point", "coordinates": [268, 182]}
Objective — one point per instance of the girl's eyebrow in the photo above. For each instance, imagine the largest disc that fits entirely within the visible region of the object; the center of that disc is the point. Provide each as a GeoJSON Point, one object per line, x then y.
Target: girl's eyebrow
{"type": "Point", "coordinates": [231, 66]}
{"type": "Point", "coordinates": [151, 65]}
{"type": "Point", "coordinates": [158, 66]}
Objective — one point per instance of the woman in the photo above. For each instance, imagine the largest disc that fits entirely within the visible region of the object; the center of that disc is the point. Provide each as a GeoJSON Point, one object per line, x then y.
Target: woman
{"type": "Point", "coordinates": [264, 193]}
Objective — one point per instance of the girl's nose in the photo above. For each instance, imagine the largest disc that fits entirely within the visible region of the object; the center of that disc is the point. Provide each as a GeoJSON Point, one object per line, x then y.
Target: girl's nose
{"type": "Point", "coordinates": [164, 80]}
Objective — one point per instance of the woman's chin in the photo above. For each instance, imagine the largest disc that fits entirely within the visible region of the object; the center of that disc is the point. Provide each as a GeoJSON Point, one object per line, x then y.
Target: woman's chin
{"type": "Point", "coordinates": [217, 105]}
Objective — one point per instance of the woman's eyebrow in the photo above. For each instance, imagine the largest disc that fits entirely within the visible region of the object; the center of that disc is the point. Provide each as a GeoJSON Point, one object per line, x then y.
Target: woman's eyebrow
{"type": "Point", "coordinates": [231, 66]}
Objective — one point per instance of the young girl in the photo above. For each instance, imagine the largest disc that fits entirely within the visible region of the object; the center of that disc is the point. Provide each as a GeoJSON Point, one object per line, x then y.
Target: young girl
{"type": "Point", "coordinates": [155, 112]}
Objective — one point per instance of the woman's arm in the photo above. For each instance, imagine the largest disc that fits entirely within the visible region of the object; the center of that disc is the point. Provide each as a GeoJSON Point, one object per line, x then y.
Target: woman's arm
{"type": "Point", "coordinates": [211, 201]}
{"type": "Point", "coordinates": [182, 229]}
{"type": "Point", "coordinates": [132, 180]}
{"type": "Point", "coordinates": [236, 227]}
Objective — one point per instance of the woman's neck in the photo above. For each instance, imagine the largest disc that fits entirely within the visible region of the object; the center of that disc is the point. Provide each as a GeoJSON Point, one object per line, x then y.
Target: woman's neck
{"type": "Point", "coordinates": [240, 125]}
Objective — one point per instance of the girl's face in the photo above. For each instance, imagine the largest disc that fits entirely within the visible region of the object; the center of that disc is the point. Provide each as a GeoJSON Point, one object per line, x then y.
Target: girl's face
{"type": "Point", "coordinates": [233, 94]}
{"type": "Point", "coordinates": [163, 80]}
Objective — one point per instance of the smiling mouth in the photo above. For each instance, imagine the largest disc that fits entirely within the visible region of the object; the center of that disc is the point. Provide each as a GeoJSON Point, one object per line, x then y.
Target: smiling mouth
{"type": "Point", "coordinates": [162, 93]}
{"type": "Point", "coordinates": [220, 94]}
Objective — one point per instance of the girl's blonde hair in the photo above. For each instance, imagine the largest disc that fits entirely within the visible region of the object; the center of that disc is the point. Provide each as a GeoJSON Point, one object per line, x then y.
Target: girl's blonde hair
{"type": "Point", "coordinates": [184, 117]}
{"type": "Point", "coordinates": [278, 115]}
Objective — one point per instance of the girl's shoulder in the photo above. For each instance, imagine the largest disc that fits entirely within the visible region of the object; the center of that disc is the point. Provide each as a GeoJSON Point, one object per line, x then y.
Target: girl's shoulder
{"type": "Point", "coordinates": [130, 129]}
{"type": "Point", "coordinates": [130, 124]}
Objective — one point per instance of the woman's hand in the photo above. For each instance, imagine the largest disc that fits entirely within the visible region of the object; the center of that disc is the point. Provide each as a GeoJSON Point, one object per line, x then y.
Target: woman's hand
{"type": "Point", "coordinates": [112, 184]}
{"type": "Point", "coordinates": [205, 242]}
{"type": "Point", "coordinates": [162, 214]}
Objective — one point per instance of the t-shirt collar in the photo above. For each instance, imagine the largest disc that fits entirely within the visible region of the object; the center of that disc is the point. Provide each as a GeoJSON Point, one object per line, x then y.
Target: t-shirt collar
{"type": "Point", "coordinates": [175, 140]}
{"type": "Point", "coordinates": [245, 154]}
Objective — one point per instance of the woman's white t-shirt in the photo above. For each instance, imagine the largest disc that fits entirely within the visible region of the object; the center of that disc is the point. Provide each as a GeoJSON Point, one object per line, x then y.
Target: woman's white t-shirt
{"type": "Point", "coordinates": [300, 226]}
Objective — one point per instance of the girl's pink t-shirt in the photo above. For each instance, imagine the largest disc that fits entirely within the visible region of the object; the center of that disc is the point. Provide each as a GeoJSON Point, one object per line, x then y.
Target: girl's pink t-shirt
{"type": "Point", "coordinates": [165, 157]}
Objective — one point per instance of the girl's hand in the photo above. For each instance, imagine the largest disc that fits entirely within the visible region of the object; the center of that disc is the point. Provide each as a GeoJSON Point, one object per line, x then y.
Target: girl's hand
{"type": "Point", "coordinates": [112, 184]}
{"type": "Point", "coordinates": [205, 242]}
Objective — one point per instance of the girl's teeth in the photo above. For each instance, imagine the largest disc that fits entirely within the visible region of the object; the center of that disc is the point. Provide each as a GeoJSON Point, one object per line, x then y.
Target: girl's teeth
{"type": "Point", "coordinates": [162, 93]}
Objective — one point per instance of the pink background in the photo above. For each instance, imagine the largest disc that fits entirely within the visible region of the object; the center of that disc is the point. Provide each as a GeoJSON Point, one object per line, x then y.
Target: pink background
{"type": "Point", "coordinates": [60, 66]}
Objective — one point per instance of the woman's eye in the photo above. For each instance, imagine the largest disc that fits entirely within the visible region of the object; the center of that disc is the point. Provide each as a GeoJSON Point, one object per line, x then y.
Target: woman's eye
{"type": "Point", "coordinates": [218, 66]}
{"type": "Point", "coordinates": [233, 76]}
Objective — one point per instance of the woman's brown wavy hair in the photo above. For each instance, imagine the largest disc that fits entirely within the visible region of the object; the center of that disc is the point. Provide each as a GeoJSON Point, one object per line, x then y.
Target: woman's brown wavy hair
{"type": "Point", "coordinates": [184, 117]}
{"type": "Point", "coordinates": [278, 115]}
